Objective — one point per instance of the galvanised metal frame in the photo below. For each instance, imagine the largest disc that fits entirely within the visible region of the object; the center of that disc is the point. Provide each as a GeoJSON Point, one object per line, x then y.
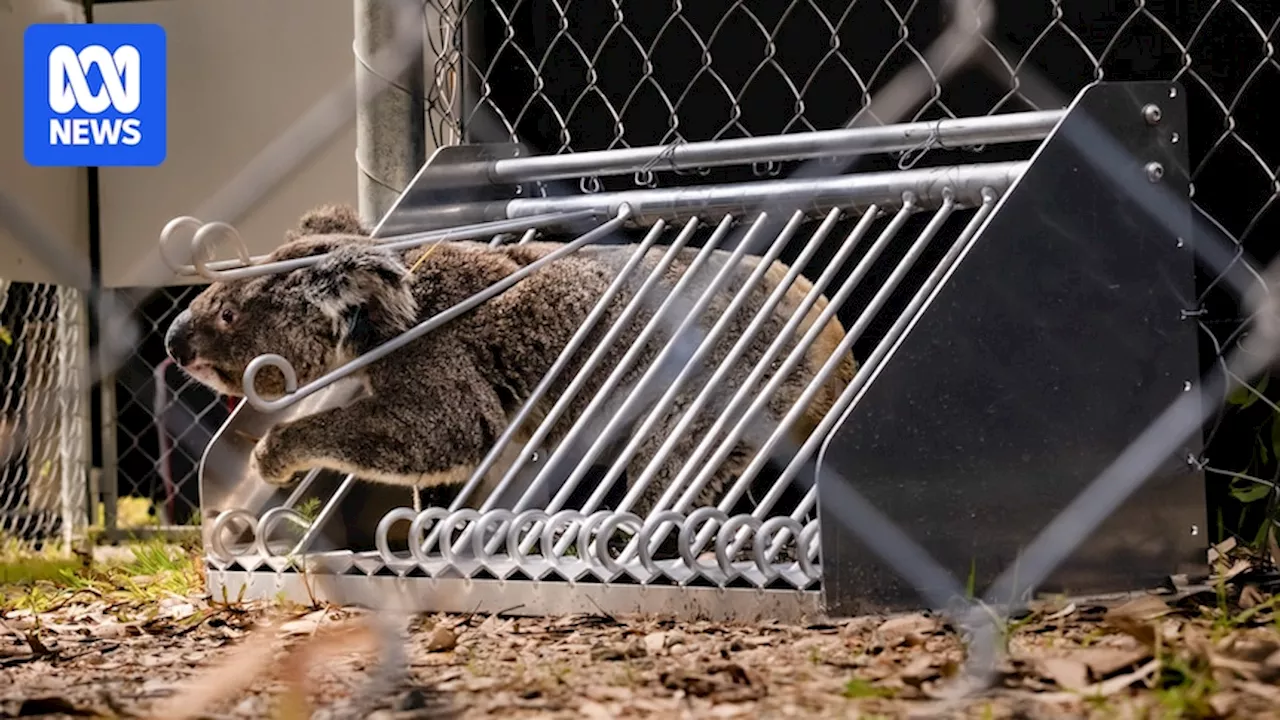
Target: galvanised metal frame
{"type": "Point", "coordinates": [726, 565]}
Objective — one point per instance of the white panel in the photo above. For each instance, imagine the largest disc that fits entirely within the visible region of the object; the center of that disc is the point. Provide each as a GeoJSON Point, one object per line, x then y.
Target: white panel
{"type": "Point", "coordinates": [56, 197]}
{"type": "Point", "coordinates": [240, 72]}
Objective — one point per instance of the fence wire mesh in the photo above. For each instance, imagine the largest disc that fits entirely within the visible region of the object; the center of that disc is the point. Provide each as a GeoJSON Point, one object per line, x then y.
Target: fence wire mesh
{"type": "Point", "coordinates": [44, 464]}
{"type": "Point", "coordinates": [571, 76]}
{"type": "Point", "coordinates": [164, 420]}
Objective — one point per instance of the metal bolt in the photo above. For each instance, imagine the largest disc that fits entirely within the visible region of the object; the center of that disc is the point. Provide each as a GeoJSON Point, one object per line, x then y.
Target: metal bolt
{"type": "Point", "coordinates": [1155, 171]}
{"type": "Point", "coordinates": [1152, 114]}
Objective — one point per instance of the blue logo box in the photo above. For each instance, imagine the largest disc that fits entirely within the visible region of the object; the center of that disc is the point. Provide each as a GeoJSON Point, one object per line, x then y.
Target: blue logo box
{"type": "Point", "coordinates": [94, 95]}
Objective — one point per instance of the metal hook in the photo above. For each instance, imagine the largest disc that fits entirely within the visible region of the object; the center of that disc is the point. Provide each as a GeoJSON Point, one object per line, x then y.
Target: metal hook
{"type": "Point", "coordinates": [184, 222]}
{"type": "Point", "coordinates": [202, 250]}
{"type": "Point", "coordinates": [257, 365]}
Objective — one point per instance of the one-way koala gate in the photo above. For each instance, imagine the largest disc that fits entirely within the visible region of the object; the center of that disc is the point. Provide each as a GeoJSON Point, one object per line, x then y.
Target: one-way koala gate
{"type": "Point", "coordinates": [647, 400]}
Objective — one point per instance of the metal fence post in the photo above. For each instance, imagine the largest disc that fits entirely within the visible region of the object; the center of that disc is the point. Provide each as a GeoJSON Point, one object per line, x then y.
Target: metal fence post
{"type": "Point", "coordinates": [73, 404]}
{"type": "Point", "coordinates": [109, 479]}
{"type": "Point", "coordinates": [391, 125]}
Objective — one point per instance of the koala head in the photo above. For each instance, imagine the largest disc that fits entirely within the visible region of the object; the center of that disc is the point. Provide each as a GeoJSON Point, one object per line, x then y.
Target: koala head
{"type": "Point", "coordinates": [316, 317]}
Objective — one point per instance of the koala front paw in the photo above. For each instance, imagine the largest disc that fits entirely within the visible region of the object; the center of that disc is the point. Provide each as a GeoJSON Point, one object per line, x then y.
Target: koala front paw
{"type": "Point", "coordinates": [269, 463]}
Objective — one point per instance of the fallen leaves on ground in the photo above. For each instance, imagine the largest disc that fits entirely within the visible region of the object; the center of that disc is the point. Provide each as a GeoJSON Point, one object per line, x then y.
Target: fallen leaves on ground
{"type": "Point", "coordinates": [1209, 652]}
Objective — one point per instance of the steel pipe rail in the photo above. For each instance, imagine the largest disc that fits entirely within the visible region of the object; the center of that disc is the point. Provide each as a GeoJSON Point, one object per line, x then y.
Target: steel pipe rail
{"type": "Point", "coordinates": [953, 132]}
{"type": "Point", "coordinates": [208, 235]}
{"type": "Point", "coordinates": [816, 196]}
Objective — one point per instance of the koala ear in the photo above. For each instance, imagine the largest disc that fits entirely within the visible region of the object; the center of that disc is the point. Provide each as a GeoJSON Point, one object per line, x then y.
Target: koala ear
{"type": "Point", "coordinates": [328, 220]}
{"type": "Point", "coordinates": [364, 289]}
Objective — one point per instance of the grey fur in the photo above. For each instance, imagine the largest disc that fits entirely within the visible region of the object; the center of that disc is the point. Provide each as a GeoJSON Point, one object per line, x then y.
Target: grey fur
{"type": "Point", "coordinates": [437, 405]}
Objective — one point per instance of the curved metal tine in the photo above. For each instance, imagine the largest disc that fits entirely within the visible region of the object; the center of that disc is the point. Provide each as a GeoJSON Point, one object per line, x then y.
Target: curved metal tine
{"type": "Point", "coordinates": [852, 335]}
{"type": "Point", "coordinates": [325, 514]}
{"type": "Point", "coordinates": [269, 406]}
{"type": "Point", "coordinates": [620, 325]}
{"type": "Point", "coordinates": [525, 239]}
{"type": "Point", "coordinates": [638, 394]}
{"type": "Point", "coordinates": [676, 299]}
{"type": "Point", "coordinates": [202, 252]}
{"type": "Point", "coordinates": [589, 367]}
{"type": "Point", "coordinates": [186, 222]}
{"type": "Point", "coordinates": [694, 364]}
{"type": "Point", "coordinates": [844, 404]}
{"type": "Point", "coordinates": [804, 507]}
{"type": "Point", "coordinates": [535, 397]}
{"type": "Point", "coordinates": [852, 241]}
{"type": "Point", "coordinates": [747, 392]}
{"type": "Point", "coordinates": [712, 386]}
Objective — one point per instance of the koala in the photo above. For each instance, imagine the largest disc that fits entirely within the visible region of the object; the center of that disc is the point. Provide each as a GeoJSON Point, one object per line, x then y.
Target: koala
{"type": "Point", "coordinates": [433, 408]}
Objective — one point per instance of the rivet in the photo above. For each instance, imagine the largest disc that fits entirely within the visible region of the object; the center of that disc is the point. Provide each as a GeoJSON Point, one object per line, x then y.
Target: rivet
{"type": "Point", "coordinates": [1152, 114]}
{"type": "Point", "coordinates": [1155, 171]}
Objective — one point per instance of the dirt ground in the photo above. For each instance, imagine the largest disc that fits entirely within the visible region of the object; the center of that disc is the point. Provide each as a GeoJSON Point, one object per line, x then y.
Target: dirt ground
{"type": "Point", "coordinates": [141, 639]}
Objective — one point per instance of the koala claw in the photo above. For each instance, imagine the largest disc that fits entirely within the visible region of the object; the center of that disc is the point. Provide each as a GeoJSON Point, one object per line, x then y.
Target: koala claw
{"type": "Point", "coordinates": [266, 463]}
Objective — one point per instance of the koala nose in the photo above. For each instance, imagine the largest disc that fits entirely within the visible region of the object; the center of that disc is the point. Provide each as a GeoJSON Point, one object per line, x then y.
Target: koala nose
{"type": "Point", "coordinates": [177, 340]}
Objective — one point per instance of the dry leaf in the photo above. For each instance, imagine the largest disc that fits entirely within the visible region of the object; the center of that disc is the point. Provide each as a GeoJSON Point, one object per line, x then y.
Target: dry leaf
{"type": "Point", "coordinates": [1103, 661]}
{"type": "Point", "coordinates": [922, 668]}
{"type": "Point", "coordinates": [1221, 550]}
{"type": "Point", "coordinates": [906, 628]}
{"type": "Point", "coordinates": [1104, 688]}
{"type": "Point", "coordinates": [1267, 692]}
{"type": "Point", "coordinates": [1250, 596]}
{"type": "Point", "coordinates": [1068, 673]}
{"type": "Point", "coordinates": [305, 625]}
{"type": "Point", "coordinates": [1064, 612]}
{"type": "Point", "coordinates": [1135, 617]}
{"type": "Point", "coordinates": [1223, 703]}
{"type": "Point", "coordinates": [442, 639]}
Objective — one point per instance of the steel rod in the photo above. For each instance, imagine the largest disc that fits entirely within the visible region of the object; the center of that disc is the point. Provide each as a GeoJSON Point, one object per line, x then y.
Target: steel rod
{"type": "Point", "coordinates": [956, 132]}
{"type": "Point", "coordinates": [673, 386]}
{"type": "Point", "coordinates": [544, 385]}
{"type": "Point", "coordinates": [672, 300]}
{"type": "Point", "coordinates": [840, 410]}
{"type": "Point", "coordinates": [261, 404]}
{"type": "Point", "coordinates": [850, 192]}
{"type": "Point", "coordinates": [638, 391]}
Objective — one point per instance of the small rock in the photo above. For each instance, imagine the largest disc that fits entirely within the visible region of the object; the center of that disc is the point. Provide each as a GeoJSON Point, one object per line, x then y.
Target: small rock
{"type": "Point", "coordinates": [655, 642]}
{"type": "Point", "coordinates": [618, 652]}
{"type": "Point", "coordinates": [110, 630]}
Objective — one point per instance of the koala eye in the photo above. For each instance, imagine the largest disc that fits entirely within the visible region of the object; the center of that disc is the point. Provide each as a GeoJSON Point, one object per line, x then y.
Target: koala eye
{"type": "Point", "coordinates": [227, 316]}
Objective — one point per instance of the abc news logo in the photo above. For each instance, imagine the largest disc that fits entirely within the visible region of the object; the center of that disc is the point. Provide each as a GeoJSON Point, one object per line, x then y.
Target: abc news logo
{"type": "Point", "coordinates": [69, 89]}
{"type": "Point", "coordinates": [94, 95]}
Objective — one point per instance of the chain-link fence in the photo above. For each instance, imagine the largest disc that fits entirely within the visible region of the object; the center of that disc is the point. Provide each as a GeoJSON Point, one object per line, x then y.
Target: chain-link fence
{"type": "Point", "coordinates": [568, 76]}
{"type": "Point", "coordinates": [44, 463]}
{"type": "Point", "coordinates": [162, 422]}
